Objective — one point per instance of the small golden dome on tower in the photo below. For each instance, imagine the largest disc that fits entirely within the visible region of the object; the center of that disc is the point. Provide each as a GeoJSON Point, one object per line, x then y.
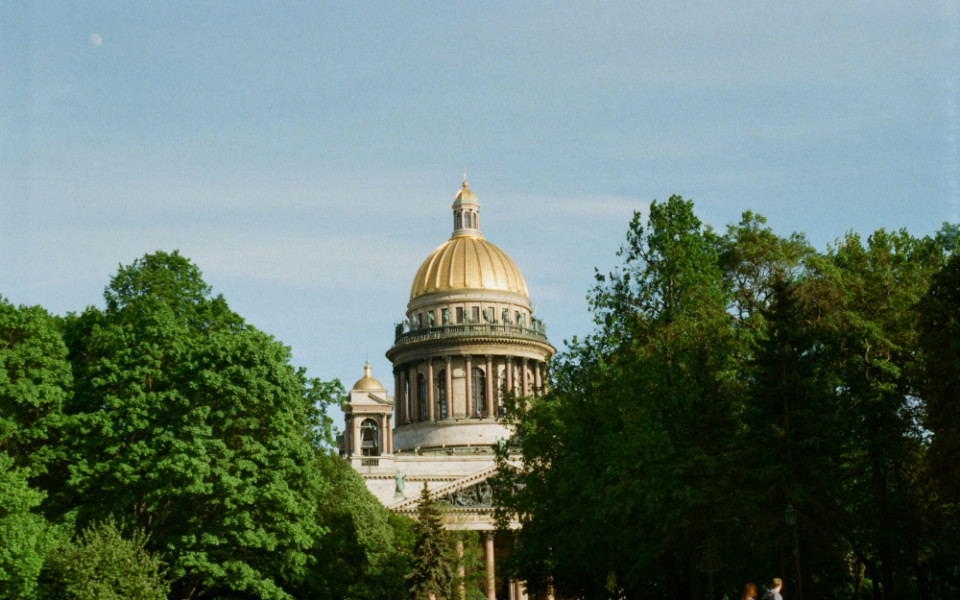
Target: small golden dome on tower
{"type": "Point", "coordinates": [367, 383]}
{"type": "Point", "coordinates": [464, 196]}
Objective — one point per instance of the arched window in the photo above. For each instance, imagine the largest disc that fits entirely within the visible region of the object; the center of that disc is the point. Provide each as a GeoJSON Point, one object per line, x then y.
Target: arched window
{"type": "Point", "coordinates": [479, 392]}
{"type": "Point", "coordinates": [369, 438]}
{"type": "Point", "coordinates": [422, 396]}
{"type": "Point", "coordinates": [459, 222]}
{"type": "Point", "coordinates": [442, 394]}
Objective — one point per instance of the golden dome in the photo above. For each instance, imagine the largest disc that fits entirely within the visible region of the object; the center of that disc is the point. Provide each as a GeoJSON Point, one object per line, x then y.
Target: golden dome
{"type": "Point", "coordinates": [368, 383]}
{"type": "Point", "coordinates": [464, 196]}
{"type": "Point", "coordinates": [468, 262]}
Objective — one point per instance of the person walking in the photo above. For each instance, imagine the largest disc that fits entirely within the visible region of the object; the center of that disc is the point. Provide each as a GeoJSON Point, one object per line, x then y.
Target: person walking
{"type": "Point", "coordinates": [774, 592]}
{"type": "Point", "coordinates": [749, 592]}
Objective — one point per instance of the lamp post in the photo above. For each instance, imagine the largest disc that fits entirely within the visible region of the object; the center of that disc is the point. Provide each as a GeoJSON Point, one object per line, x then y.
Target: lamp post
{"type": "Point", "coordinates": [790, 516]}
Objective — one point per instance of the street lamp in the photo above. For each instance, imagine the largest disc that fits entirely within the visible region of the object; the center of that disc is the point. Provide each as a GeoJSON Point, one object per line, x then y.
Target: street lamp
{"type": "Point", "coordinates": [790, 516]}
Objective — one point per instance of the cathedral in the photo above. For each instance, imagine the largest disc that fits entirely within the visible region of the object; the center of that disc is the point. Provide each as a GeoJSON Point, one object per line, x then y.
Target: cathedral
{"type": "Point", "coordinates": [469, 335]}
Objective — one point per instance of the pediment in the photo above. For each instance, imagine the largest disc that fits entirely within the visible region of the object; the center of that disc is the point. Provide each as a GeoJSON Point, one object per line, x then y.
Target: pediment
{"type": "Point", "coordinates": [377, 399]}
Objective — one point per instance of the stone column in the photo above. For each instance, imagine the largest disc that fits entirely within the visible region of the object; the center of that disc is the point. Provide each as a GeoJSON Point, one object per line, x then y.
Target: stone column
{"type": "Point", "coordinates": [347, 437]}
{"type": "Point", "coordinates": [448, 375]}
{"type": "Point", "coordinates": [524, 388]}
{"type": "Point", "coordinates": [521, 591]}
{"type": "Point", "coordinates": [469, 368]}
{"type": "Point", "coordinates": [430, 402]}
{"type": "Point", "coordinates": [402, 398]}
{"type": "Point", "coordinates": [489, 391]}
{"type": "Point", "coordinates": [491, 567]}
{"type": "Point", "coordinates": [383, 434]}
{"type": "Point", "coordinates": [509, 368]}
{"type": "Point", "coordinates": [357, 438]}
{"type": "Point", "coordinates": [389, 435]}
{"type": "Point", "coordinates": [538, 377]}
{"type": "Point", "coordinates": [414, 391]}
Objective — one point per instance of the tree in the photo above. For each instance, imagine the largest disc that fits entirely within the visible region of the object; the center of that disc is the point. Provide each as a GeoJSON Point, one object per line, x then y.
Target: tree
{"type": "Point", "coordinates": [25, 536]}
{"type": "Point", "coordinates": [101, 564]}
{"type": "Point", "coordinates": [367, 553]}
{"type": "Point", "coordinates": [940, 340]}
{"type": "Point", "coordinates": [433, 574]}
{"type": "Point", "coordinates": [34, 385]}
{"type": "Point", "coordinates": [939, 387]}
{"type": "Point", "coordinates": [191, 425]}
{"type": "Point", "coordinates": [870, 335]}
{"type": "Point", "coordinates": [636, 448]}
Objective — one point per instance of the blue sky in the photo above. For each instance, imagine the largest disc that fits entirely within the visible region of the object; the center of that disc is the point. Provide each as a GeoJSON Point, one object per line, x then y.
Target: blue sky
{"type": "Point", "coordinates": [305, 154]}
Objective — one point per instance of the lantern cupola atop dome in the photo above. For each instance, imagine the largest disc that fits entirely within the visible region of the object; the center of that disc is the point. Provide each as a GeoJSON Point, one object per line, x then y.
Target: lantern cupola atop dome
{"type": "Point", "coordinates": [466, 213]}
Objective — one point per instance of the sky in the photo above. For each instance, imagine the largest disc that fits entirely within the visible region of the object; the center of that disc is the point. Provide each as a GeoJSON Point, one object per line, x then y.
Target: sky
{"type": "Point", "coordinates": [305, 154]}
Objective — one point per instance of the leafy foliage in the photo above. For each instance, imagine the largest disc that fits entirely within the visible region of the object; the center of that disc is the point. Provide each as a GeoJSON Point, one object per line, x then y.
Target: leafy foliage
{"type": "Point", "coordinates": [433, 573]}
{"type": "Point", "coordinates": [25, 536]}
{"type": "Point", "coordinates": [192, 425]}
{"type": "Point", "coordinates": [368, 550]}
{"type": "Point", "coordinates": [101, 564]}
{"type": "Point", "coordinates": [34, 383]}
{"type": "Point", "coordinates": [729, 376]}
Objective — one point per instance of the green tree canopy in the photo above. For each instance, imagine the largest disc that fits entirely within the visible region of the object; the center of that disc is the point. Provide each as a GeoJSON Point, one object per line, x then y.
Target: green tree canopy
{"type": "Point", "coordinates": [728, 377]}
{"type": "Point", "coordinates": [433, 573]}
{"type": "Point", "coordinates": [25, 536]}
{"type": "Point", "coordinates": [102, 564]}
{"type": "Point", "coordinates": [191, 424]}
{"type": "Point", "coordinates": [367, 552]}
{"type": "Point", "coordinates": [34, 385]}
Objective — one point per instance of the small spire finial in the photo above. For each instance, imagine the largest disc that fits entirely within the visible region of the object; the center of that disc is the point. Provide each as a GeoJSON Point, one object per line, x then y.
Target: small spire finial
{"type": "Point", "coordinates": [464, 179]}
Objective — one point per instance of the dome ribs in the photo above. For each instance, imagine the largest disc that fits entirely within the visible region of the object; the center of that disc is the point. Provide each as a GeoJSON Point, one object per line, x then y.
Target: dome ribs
{"type": "Point", "coordinates": [472, 267]}
{"type": "Point", "coordinates": [466, 262]}
{"type": "Point", "coordinates": [494, 271]}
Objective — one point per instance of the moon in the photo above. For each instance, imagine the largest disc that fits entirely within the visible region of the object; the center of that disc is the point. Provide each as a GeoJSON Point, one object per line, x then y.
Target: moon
{"type": "Point", "coordinates": [95, 39]}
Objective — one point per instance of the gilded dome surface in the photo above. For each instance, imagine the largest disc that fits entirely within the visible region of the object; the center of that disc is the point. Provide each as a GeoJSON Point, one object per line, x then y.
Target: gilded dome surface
{"type": "Point", "coordinates": [468, 262]}
{"type": "Point", "coordinates": [367, 383]}
{"type": "Point", "coordinates": [464, 196]}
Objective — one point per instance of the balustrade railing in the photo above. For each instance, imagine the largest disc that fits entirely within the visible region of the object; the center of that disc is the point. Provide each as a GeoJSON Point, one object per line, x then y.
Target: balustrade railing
{"type": "Point", "coordinates": [537, 333]}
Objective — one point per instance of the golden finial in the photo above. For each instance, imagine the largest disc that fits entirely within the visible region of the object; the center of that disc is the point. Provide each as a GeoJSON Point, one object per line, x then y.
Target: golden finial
{"type": "Point", "coordinates": [464, 179]}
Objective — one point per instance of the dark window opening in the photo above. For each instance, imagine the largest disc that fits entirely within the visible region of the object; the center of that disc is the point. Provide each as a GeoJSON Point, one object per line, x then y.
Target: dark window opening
{"type": "Point", "coordinates": [369, 438]}
{"type": "Point", "coordinates": [422, 396]}
{"type": "Point", "coordinates": [479, 392]}
{"type": "Point", "coordinates": [442, 394]}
